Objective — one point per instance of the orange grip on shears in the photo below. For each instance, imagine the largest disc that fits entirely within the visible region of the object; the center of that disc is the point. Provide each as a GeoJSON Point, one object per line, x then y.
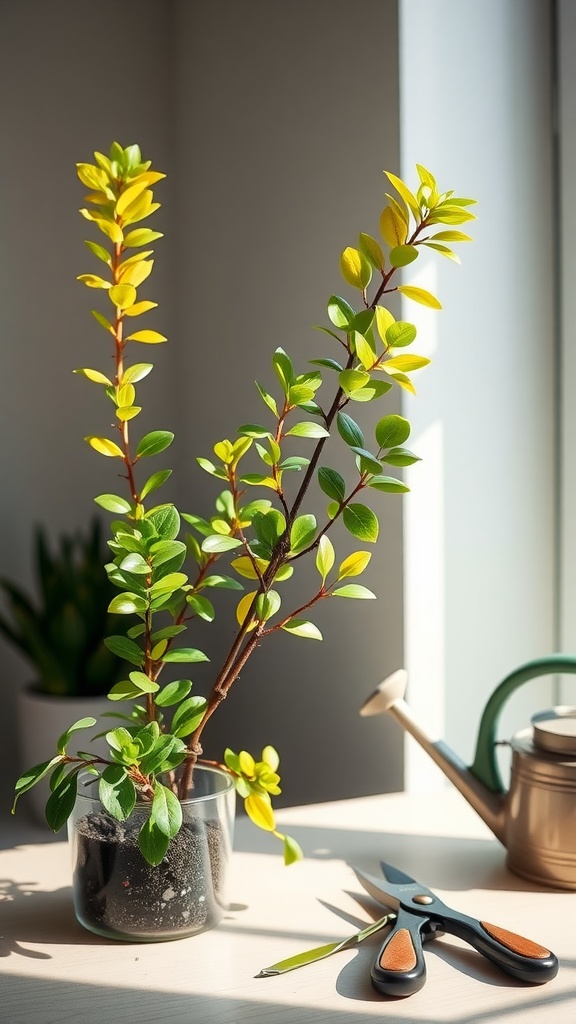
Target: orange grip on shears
{"type": "Point", "coordinates": [517, 943]}
{"type": "Point", "coordinates": [399, 953]}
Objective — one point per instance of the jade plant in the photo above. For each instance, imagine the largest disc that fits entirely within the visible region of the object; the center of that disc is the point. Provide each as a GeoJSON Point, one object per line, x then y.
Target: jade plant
{"type": "Point", "coordinates": [60, 629]}
{"type": "Point", "coordinates": [260, 531]}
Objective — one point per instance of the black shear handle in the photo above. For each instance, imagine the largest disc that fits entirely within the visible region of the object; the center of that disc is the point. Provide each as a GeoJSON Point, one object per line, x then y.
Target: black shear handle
{"type": "Point", "coordinates": [399, 968]}
{"type": "Point", "coordinates": [520, 957]}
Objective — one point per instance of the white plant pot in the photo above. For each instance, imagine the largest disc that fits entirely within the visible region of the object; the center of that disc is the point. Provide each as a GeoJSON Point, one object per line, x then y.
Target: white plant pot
{"type": "Point", "coordinates": [42, 719]}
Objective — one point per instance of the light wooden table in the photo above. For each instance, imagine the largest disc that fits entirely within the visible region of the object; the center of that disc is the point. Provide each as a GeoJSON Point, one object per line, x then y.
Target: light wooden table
{"type": "Point", "coordinates": [52, 971]}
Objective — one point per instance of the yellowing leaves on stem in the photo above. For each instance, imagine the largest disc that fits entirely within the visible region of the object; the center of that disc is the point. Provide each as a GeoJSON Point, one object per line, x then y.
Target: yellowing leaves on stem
{"type": "Point", "coordinates": [364, 351]}
{"type": "Point", "coordinates": [147, 337]}
{"type": "Point", "coordinates": [224, 450]}
{"type": "Point", "coordinates": [452, 236]}
{"type": "Point", "coordinates": [243, 608]}
{"type": "Point", "coordinates": [259, 810]}
{"type": "Point", "coordinates": [122, 295]}
{"type": "Point", "coordinates": [94, 375]}
{"type": "Point", "coordinates": [354, 565]}
{"type": "Point", "coordinates": [140, 307]}
{"type": "Point", "coordinates": [384, 320]}
{"type": "Point", "coordinates": [110, 228]}
{"type": "Point", "coordinates": [425, 298]}
{"type": "Point", "coordinates": [141, 236]}
{"type": "Point", "coordinates": [393, 227]}
{"type": "Point", "coordinates": [406, 363]}
{"type": "Point", "coordinates": [402, 380]}
{"type": "Point", "coordinates": [356, 269]}
{"type": "Point", "coordinates": [136, 273]}
{"type": "Point", "coordinates": [247, 567]}
{"type": "Point", "coordinates": [125, 395]}
{"type": "Point", "coordinates": [408, 196]}
{"type": "Point", "coordinates": [128, 412]}
{"type": "Point", "coordinates": [426, 177]}
{"type": "Point", "coordinates": [132, 374]}
{"type": "Point", "coordinates": [91, 176]}
{"type": "Point", "coordinates": [129, 195]}
{"type": "Point", "coordinates": [325, 556]}
{"type": "Point", "coordinates": [105, 447]}
{"type": "Point", "coordinates": [93, 281]}
{"type": "Point", "coordinates": [142, 207]}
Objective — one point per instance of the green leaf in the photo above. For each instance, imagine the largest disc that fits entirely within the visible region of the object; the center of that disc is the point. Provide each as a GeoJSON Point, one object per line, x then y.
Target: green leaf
{"type": "Point", "coordinates": [127, 604]}
{"type": "Point", "coordinates": [154, 442]}
{"type": "Point", "coordinates": [425, 298]}
{"type": "Point", "coordinates": [354, 590]}
{"type": "Point", "coordinates": [225, 582]}
{"type": "Point", "coordinates": [292, 851]}
{"type": "Point", "coordinates": [102, 321]}
{"type": "Point", "coordinates": [392, 430]}
{"type": "Point", "coordinates": [400, 334]}
{"type": "Point", "coordinates": [253, 430]}
{"type": "Point", "coordinates": [166, 521]}
{"type": "Point", "coordinates": [166, 810]}
{"type": "Point", "coordinates": [375, 389]}
{"type": "Point", "coordinates": [219, 542]}
{"type": "Point", "coordinates": [113, 503]}
{"type": "Point", "coordinates": [340, 312]}
{"type": "Point", "coordinates": [153, 843]}
{"type": "Point", "coordinates": [184, 654]}
{"type": "Point", "coordinates": [116, 792]}
{"type": "Point", "coordinates": [202, 606]}
{"type": "Point", "coordinates": [308, 430]}
{"type": "Point", "coordinates": [349, 430]}
{"type": "Point", "coordinates": [188, 716]}
{"type": "Point", "coordinates": [267, 399]}
{"type": "Point", "coordinates": [400, 457]}
{"type": "Point", "coordinates": [332, 483]}
{"type": "Point", "coordinates": [135, 563]}
{"type": "Point", "coordinates": [371, 250]}
{"type": "Point", "coordinates": [141, 681]}
{"type": "Point", "coordinates": [352, 380]}
{"type": "Point", "coordinates": [324, 556]}
{"type": "Point", "coordinates": [402, 255]}
{"type": "Point", "coordinates": [173, 693]}
{"type": "Point", "coordinates": [61, 801]}
{"type": "Point", "coordinates": [284, 369]}
{"type": "Point", "coordinates": [361, 522]}
{"type": "Point", "coordinates": [163, 551]}
{"type": "Point", "coordinates": [168, 584]}
{"type": "Point", "coordinates": [154, 482]}
{"type": "Point", "coordinates": [302, 533]}
{"type": "Point", "coordinates": [32, 776]}
{"type": "Point", "coordinates": [125, 649]}
{"type": "Point", "coordinates": [332, 364]}
{"type": "Point", "coordinates": [300, 627]}
{"type": "Point", "coordinates": [389, 484]}
{"type": "Point", "coordinates": [368, 463]}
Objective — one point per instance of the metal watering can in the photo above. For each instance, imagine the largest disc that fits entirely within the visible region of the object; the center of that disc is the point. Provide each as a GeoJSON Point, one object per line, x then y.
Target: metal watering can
{"type": "Point", "coordinates": [536, 818]}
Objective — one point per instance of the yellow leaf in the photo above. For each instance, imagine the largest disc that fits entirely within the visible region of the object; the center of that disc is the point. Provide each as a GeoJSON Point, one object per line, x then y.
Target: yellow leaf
{"type": "Point", "coordinates": [141, 236]}
{"type": "Point", "coordinates": [93, 281]}
{"type": "Point", "coordinates": [99, 198]}
{"type": "Point", "coordinates": [105, 447]}
{"type": "Point", "coordinates": [243, 609]}
{"type": "Point", "coordinates": [95, 375]}
{"type": "Point", "coordinates": [136, 372]}
{"type": "Point", "coordinates": [406, 363]}
{"type": "Point", "coordinates": [110, 228]}
{"type": "Point", "coordinates": [141, 208]}
{"type": "Point", "coordinates": [128, 412]}
{"type": "Point", "coordinates": [426, 177]}
{"type": "Point", "coordinates": [151, 177]}
{"type": "Point", "coordinates": [393, 227]}
{"type": "Point", "coordinates": [420, 295]}
{"type": "Point", "coordinates": [356, 269]}
{"type": "Point", "coordinates": [126, 395]}
{"type": "Point", "coordinates": [354, 564]}
{"type": "Point", "coordinates": [147, 337]}
{"type": "Point", "coordinates": [384, 320]}
{"type": "Point", "coordinates": [403, 381]}
{"type": "Point", "coordinates": [139, 307]}
{"type": "Point", "coordinates": [224, 450]}
{"type": "Point", "coordinates": [122, 295]}
{"type": "Point", "coordinates": [245, 567]}
{"type": "Point", "coordinates": [259, 810]}
{"type": "Point", "coordinates": [247, 764]}
{"type": "Point", "coordinates": [136, 258]}
{"type": "Point", "coordinates": [91, 176]}
{"type": "Point", "coordinates": [129, 195]}
{"type": "Point", "coordinates": [408, 196]}
{"type": "Point", "coordinates": [136, 273]}
{"type": "Point", "coordinates": [363, 350]}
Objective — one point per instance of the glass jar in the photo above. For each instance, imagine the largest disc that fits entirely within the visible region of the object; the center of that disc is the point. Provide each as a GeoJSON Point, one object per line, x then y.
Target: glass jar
{"type": "Point", "coordinates": [119, 895]}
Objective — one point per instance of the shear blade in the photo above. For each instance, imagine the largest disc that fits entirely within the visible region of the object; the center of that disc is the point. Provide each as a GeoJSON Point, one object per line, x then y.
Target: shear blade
{"type": "Point", "coordinates": [395, 875]}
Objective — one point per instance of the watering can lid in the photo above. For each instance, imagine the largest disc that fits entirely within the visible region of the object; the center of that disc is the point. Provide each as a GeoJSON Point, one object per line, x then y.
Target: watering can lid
{"type": "Point", "coordinates": [555, 729]}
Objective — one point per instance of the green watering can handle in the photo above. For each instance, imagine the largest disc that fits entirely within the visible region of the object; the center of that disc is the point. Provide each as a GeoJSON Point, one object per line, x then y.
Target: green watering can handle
{"type": "Point", "coordinates": [485, 766]}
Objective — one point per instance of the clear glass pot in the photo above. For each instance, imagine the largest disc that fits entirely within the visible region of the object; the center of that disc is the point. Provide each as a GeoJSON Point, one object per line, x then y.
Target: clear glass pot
{"type": "Point", "coordinates": [119, 895]}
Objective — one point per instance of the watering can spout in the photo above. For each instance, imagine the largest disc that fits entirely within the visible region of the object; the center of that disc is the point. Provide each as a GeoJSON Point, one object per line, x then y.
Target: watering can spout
{"type": "Point", "coordinates": [389, 697]}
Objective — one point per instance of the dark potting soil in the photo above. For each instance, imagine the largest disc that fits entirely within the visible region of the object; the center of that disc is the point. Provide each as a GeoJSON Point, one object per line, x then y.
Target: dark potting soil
{"type": "Point", "coordinates": [117, 891]}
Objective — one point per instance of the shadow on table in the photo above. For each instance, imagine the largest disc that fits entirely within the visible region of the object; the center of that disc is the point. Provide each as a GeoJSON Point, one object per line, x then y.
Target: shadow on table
{"type": "Point", "coordinates": [29, 915]}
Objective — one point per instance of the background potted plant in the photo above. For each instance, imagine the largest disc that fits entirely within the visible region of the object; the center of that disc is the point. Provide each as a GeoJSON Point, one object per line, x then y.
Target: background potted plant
{"type": "Point", "coordinates": [147, 810]}
{"type": "Point", "coordinates": [59, 628]}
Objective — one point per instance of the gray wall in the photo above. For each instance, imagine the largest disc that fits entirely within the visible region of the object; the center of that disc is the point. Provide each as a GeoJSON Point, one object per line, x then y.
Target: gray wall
{"type": "Point", "coordinates": [273, 122]}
